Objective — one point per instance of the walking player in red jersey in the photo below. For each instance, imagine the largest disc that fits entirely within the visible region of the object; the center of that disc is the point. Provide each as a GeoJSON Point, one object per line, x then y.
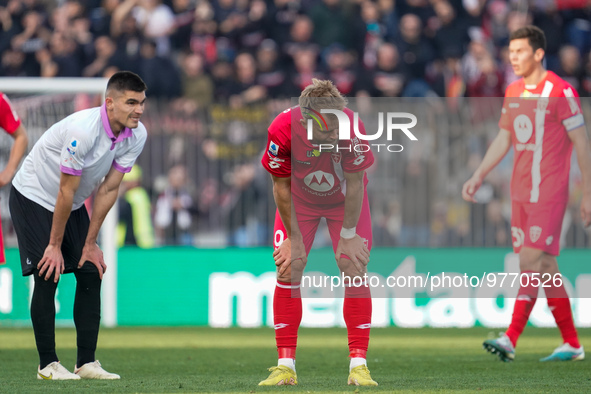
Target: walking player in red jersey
{"type": "Point", "coordinates": [542, 119]}
{"type": "Point", "coordinates": [11, 123]}
{"type": "Point", "coordinates": [309, 183]}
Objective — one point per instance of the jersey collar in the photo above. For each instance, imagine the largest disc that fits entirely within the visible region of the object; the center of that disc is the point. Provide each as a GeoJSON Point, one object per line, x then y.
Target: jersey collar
{"type": "Point", "coordinates": [125, 133]}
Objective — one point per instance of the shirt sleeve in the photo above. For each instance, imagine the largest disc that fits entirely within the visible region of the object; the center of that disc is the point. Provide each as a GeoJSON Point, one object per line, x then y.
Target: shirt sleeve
{"type": "Point", "coordinates": [77, 143]}
{"type": "Point", "coordinates": [9, 119]}
{"type": "Point", "coordinates": [357, 155]}
{"type": "Point", "coordinates": [568, 109]}
{"type": "Point", "coordinates": [125, 160]}
{"type": "Point", "coordinates": [277, 155]}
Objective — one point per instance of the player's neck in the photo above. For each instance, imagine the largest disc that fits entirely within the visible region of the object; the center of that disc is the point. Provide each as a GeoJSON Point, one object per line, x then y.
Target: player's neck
{"type": "Point", "coordinates": [116, 128]}
{"type": "Point", "coordinates": [536, 76]}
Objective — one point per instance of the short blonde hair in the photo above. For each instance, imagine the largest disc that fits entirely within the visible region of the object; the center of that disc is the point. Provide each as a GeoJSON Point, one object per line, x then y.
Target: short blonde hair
{"type": "Point", "coordinates": [321, 94]}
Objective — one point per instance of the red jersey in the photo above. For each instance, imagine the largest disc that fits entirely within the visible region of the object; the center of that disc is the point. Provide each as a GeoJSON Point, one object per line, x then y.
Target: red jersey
{"type": "Point", "coordinates": [9, 119]}
{"type": "Point", "coordinates": [317, 177]}
{"type": "Point", "coordinates": [539, 119]}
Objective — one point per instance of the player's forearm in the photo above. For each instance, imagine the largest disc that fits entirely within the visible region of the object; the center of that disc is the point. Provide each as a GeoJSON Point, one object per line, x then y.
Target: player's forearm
{"type": "Point", "coordinates": [584, 160]}
{"type": "Point", "coordinates": [103, 202]}
{"type": "Point", "coordinates": [282, 195]}
{"type": "Point", "coordinates": [353, 200]}
{"type": "Point", "coordinates": [18, 149]}
{"type": "Point", "coordinates": [61, 214]}
{"type": "Point", "coordinates": [495, 153]}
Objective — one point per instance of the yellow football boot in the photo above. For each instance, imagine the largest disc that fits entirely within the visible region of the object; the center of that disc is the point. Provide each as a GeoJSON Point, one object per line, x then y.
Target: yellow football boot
{"type": "Point", "coordinates": [360, 376]}
{"type": "Point", "coordinates": [282, 375]}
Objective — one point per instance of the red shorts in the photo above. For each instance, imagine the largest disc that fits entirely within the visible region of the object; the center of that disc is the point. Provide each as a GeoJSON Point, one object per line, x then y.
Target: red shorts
{"type": "Point", "coordinates": [309, 218]}
{"type": "Point", "coordinates": [537, 226]}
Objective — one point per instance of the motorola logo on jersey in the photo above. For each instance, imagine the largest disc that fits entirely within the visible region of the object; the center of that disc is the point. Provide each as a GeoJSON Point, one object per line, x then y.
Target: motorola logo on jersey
{"type": "Point", "coordinates": [319, 181]}
{"type": "Point", "coordinates": [523, 128]}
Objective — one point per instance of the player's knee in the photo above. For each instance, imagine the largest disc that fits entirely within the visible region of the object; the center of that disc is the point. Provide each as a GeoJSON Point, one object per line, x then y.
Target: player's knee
{"type": "Point", "coordinates": [549, 265]}
{"type": "Point", "coordinates": [348, 268]}
{"type": "Point", "coordinates": [293, 273]}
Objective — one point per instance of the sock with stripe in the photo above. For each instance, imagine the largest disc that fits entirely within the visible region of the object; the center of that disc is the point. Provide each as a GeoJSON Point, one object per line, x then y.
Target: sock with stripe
{"type": "Point", "coordinates": [357, 315]}
{"type": "Point", "coordinates": [287, 314]}
{"type": "Point", "coordinates": [524, 303]}
{"type": "Point", "coordinates": [559, 304]}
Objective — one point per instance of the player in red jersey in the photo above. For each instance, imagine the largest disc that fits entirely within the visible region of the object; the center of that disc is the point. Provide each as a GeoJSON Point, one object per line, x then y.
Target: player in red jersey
{"type": "Point", "coordinates": [310, 182]}
{"type": "Point", "coordinates": [11, 123]}
{"type": "Point", "coordinates": [542, 119]}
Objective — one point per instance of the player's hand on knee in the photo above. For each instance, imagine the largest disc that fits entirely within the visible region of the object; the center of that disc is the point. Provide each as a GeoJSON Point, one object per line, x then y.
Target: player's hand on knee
{"type": "Point", "coordinates": [287, 253]}
{"type": "Point", "coordinates": [52, 263]}
{"type": "Point", "coordinates": [355, 249]}
{"type": "Point", "coordinates": [94, 254]}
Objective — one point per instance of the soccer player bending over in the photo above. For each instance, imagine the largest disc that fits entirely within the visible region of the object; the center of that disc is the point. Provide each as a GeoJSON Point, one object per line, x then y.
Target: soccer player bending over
{"type": "Point", "coordinates": [55, 235]}
{"type": "Point", "coordinates": [542, 119]}
{"type": "Point", "coordinates": [310, 183]}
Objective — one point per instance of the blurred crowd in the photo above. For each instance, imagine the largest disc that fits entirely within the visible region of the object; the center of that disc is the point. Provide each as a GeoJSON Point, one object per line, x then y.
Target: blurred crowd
{"type": "Point", "coordinates": [245, 51]}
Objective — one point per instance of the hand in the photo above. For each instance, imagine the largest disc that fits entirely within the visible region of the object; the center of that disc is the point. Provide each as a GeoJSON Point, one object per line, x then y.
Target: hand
{"type": "Point", "coordinates": [94, 254]}
{"type": "Point", "coordinates": [5, 177]}
{"type": "Point", "coordinates": [356, 250]}
{"type": "Point", "coordinates": [470, 188]}
{"type": "Point", "coordinates": [287, 253]}
{"type": "Point", "coordinates": [51, 263]}
{"type": "Point", "coordinates": [586, 210]}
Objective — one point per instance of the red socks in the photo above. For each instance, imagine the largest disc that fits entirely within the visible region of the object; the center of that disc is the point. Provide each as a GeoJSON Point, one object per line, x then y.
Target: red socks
{"type": "Point", "coordinates": [357, 314]}
{"type": "Point", "coordinates": [526, 299]}
{"type": "Point", "coordinates": [559, 304]}
{"type": "Point", "coordinates": [287, 314]}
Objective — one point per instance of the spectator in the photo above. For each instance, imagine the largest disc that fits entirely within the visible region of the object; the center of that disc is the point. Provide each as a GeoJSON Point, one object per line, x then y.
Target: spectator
{"type": "Point", "coordinates": [451, 33]}
{"type": "Point", "coordinates": [156, 22]}
{"type": "Point", "coordinates": [135, 210]}
{"type": "Point", "coordinates": [34, 37]}
{"type": "Point", "coordinates": [246, 91]}
{"type": "Point", "coordinates": [172, 218]}
{"type": "Point", "coordinates": [571, 69]}
{"type": "Point", "coordinates": [272, 74]}
{"type": "Point", "coordinates": [330, 23]}
{"type": "Point", "coordinates": [387, 79]}
{"type": "Point", "coordinates": [197, 84]}
{"type": "Point", "coordinates": [340, 70]}
{"type": "Point", "coordinates": [159, 72]}
{"type": "Point", "coordinates": [105, 57]}
{"type": "Point", "coordinates": [415, 51]}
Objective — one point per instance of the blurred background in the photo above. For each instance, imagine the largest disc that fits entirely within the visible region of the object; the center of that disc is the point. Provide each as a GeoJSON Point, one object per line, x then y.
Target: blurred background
{"type": "Point", "coordinates": [219, 71]}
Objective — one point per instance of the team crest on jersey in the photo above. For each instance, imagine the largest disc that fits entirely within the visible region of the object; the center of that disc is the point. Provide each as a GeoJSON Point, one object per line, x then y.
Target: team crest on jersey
{"type": "Point", "coordinates": [336, 157]}
{"type": "Point", "coordinates": [72, 147]}
{"type": "Point", "coordinates": [273, 149]}
{"type": "Point", "coordinates": [534, 233]}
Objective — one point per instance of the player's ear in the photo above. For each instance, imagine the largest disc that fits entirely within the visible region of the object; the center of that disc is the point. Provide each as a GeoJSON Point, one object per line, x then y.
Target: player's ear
{"type": "Point", "coordinates": [539, 54]}
{"type": "Point", "coordinates": [109, 102]}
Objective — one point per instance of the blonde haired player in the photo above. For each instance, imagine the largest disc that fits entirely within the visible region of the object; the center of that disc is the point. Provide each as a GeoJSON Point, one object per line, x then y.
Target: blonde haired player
{"type": "Point", "coordinates": [310, 183]}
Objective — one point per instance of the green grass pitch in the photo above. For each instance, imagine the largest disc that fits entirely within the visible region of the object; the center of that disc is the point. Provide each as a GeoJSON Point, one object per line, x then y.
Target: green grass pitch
{"type": "Point", "coordinates": [191, 359]}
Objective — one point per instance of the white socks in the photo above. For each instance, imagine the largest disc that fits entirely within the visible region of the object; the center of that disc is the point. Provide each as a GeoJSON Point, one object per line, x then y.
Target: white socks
{"type": "Point", "coordinates": [290, 362]}
{"type": "Point", "coordinates": [357, 361]}
{"type": "Point", "coordinates": [287, 362]}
